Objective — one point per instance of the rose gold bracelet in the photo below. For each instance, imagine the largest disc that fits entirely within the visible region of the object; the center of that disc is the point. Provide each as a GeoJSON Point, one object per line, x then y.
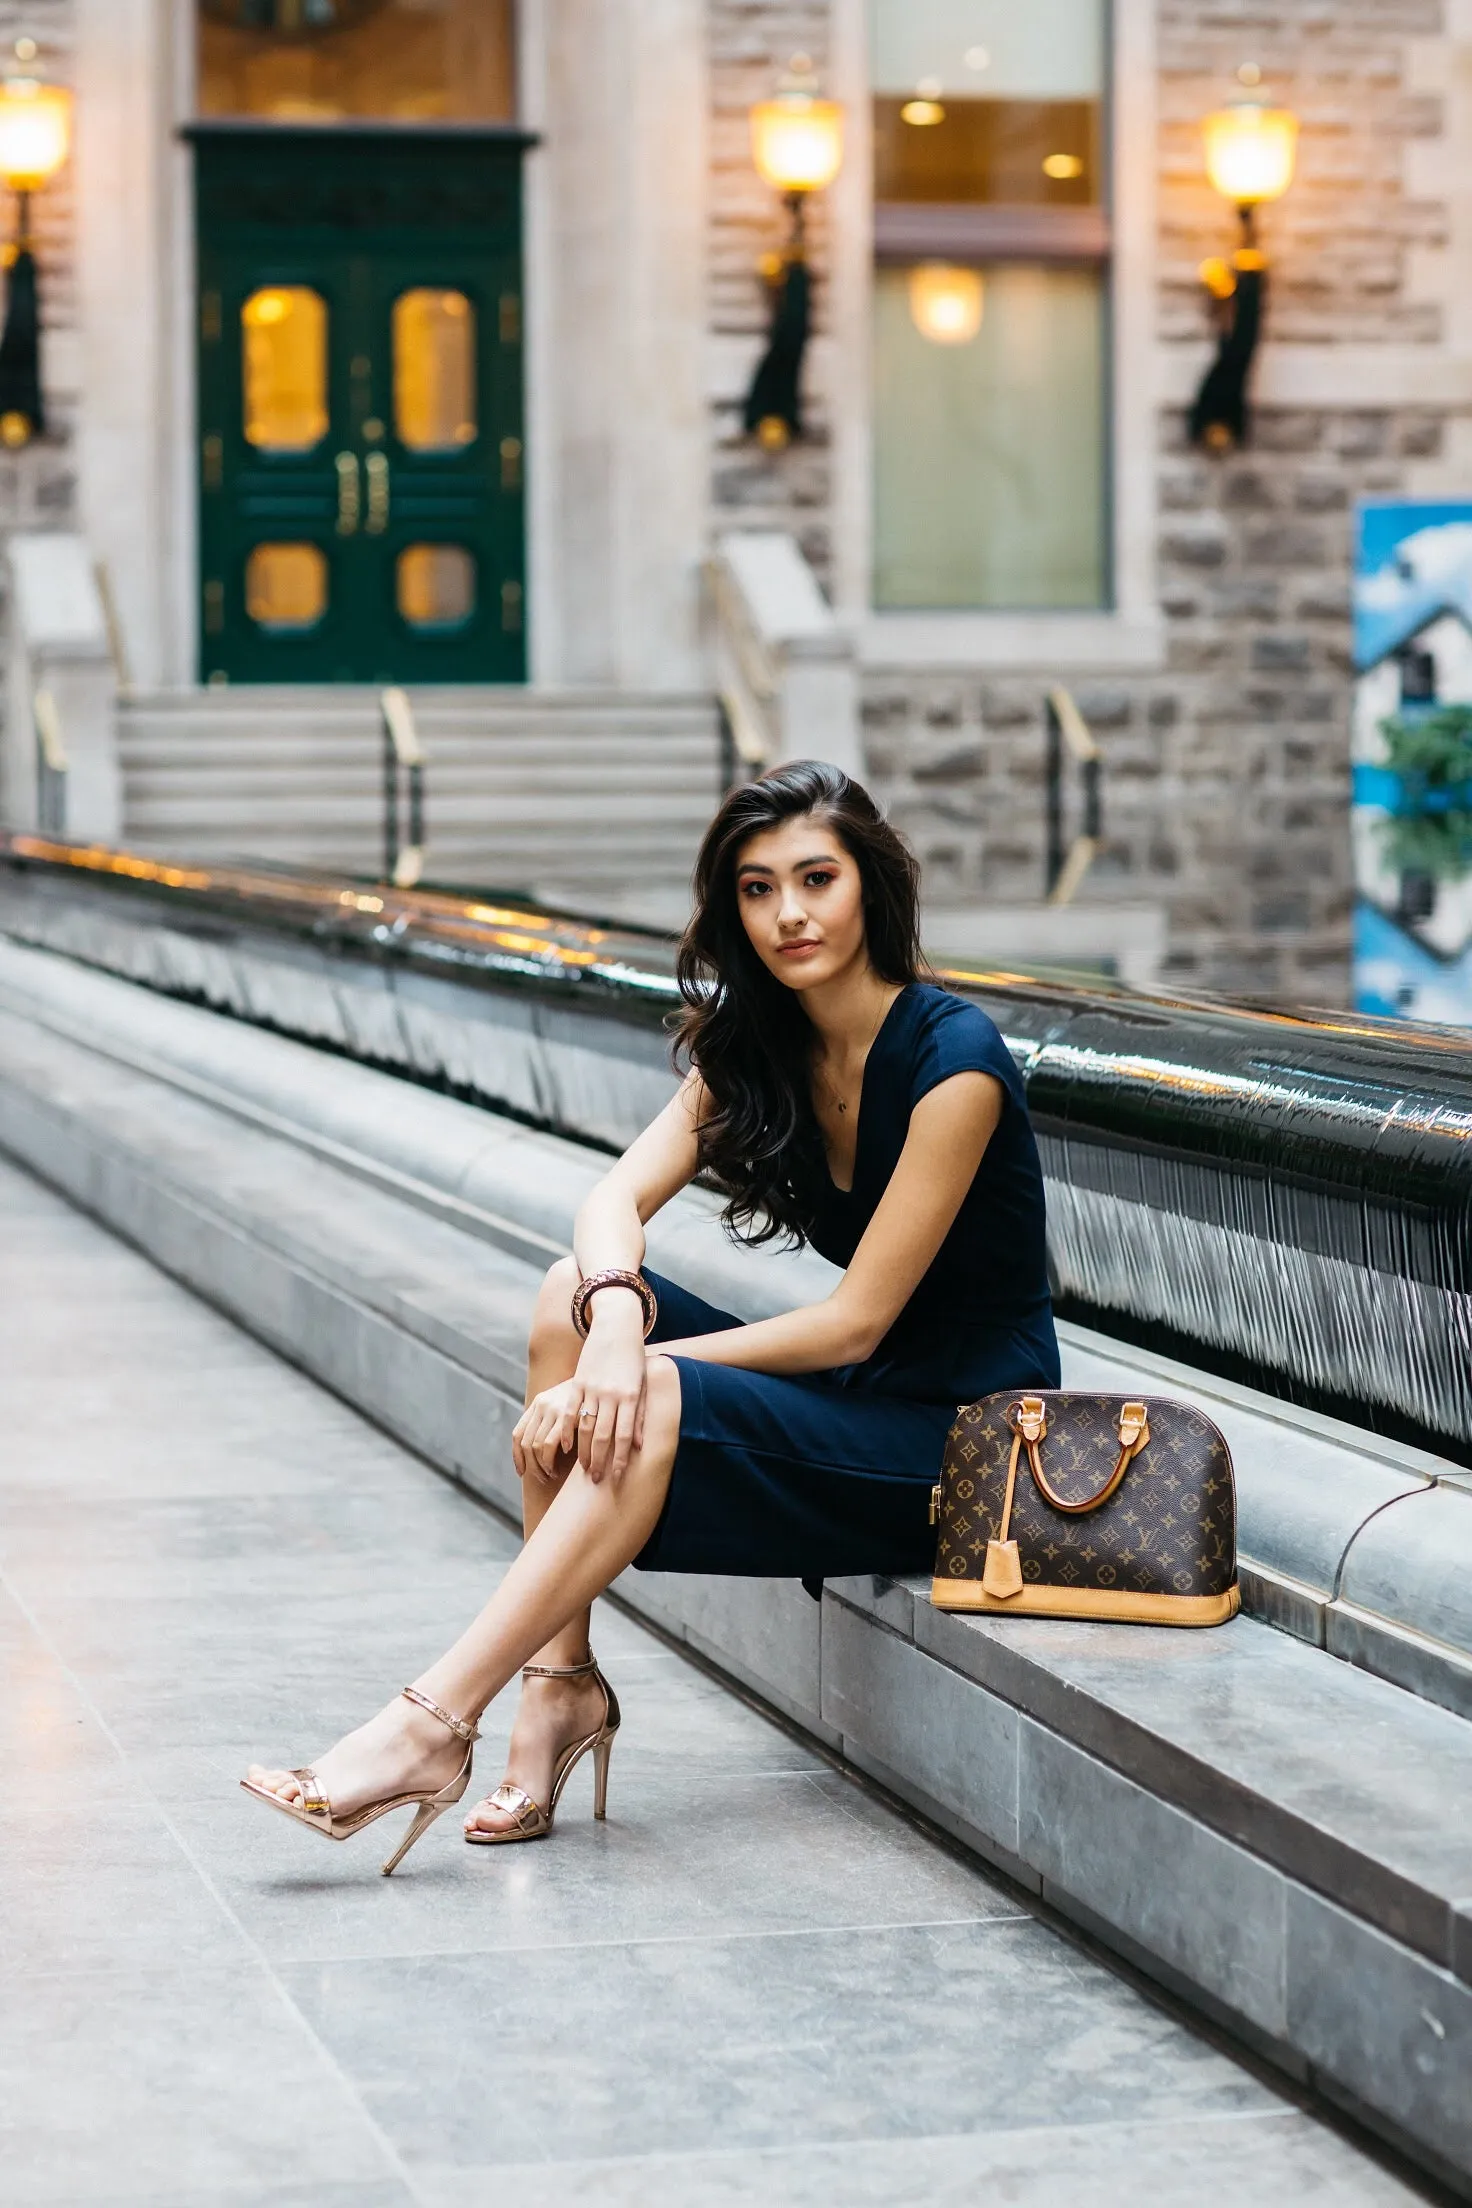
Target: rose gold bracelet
{"type": "Point", "coordinates": [586, 1289]}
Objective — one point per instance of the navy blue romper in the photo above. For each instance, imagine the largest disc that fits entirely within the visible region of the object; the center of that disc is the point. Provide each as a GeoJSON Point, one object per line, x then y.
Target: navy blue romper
{"type": "Point", "coordinates": [830, 1473]}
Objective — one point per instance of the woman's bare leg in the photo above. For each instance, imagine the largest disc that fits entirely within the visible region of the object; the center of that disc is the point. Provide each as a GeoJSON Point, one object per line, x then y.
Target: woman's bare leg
{"type": "Point", "coordinates": [587, 1534]}
{"type": "Point", "coordinates": [552, 1356]}
{"type": "Point", "coordinates": [590, 1532]}
{"type": "Point", "coordinates": [551, 1712]}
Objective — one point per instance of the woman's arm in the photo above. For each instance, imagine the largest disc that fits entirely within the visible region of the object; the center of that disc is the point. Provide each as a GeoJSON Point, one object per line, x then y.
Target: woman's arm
{"type": "Point", "coordinates": [657, 1164]}
{"type": "Point", "coordinates": [949, 1131]}
{"type": "Point", "coordinates": [599, 1413]}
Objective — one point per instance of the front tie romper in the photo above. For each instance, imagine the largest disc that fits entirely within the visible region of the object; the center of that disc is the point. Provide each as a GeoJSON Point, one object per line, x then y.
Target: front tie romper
{"type": "Point", "coordinates": [830, 1473]}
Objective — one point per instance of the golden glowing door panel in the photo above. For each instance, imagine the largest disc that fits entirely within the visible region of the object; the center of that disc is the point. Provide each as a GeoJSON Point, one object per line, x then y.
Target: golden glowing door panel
{"type": "Point", "coordinates": [286, 586]}
{"type": "Point", "coordinates": [435, 585]}
{"type": "Point", "coordinates": [434, 370]}
{"type": "Point", "coordinates": [283, 333]}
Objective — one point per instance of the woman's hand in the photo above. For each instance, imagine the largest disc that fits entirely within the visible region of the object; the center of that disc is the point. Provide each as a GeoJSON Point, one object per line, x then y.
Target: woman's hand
{"type": "Point", "coordinates": [613, 1375]}
{"type": "Point", "coordinates": [596, 1419]}
{"type": "Point", "coordinates": [544, 1438]}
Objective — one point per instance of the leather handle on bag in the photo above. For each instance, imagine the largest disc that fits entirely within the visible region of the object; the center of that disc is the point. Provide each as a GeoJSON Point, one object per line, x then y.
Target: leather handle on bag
{"type": "Point", "coordinates": [1002, 1574]}
{"type": "Point", "coordinates": [1133, 1428]}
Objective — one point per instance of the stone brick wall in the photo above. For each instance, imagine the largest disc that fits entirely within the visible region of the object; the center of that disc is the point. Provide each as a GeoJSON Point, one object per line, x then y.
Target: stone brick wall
{"type": "Point", "coordinates": [1248, 843]}
{"type": "Point", "coordinates": [1226, 772]}
{"type": "Point", "coordinates": [1342, 240]}
{"type": "Point", "coordinates": [1226, 775]}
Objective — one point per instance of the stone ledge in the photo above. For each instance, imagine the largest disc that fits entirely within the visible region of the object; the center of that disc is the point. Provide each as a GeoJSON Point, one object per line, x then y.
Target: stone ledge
{"type": "Point", "coordinates": [1243, 1729]}
{"type": "Point", "coordinates": [1309, 1488]}
{"type": "Point", "coordinates": [1203, 1801]}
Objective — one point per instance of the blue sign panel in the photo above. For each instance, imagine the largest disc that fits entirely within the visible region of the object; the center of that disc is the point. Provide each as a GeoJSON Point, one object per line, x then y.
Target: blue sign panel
{"type": "Point", "coordinates": [1412, 759]}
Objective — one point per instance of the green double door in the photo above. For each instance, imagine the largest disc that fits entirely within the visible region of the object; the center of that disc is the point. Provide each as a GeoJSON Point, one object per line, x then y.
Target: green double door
{"type": "Point", "coordinates": [361, 458]}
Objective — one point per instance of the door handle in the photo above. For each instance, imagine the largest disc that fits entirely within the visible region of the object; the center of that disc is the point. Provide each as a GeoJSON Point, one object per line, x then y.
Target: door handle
{"type": "Point", "coordinates": [378, 493]}
{"type": "Point", "coordinates": [349, 496]}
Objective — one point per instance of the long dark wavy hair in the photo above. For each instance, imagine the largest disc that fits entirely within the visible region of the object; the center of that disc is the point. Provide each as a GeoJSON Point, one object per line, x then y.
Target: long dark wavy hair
{"type": "Point", "coordinates": [745, 1033]}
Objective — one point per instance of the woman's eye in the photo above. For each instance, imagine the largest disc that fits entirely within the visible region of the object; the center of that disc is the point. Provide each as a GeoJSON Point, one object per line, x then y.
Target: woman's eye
{"type": "Point", "coordinates": [818, 879]}
{"type": "Point", "coordinates": [753, 889]}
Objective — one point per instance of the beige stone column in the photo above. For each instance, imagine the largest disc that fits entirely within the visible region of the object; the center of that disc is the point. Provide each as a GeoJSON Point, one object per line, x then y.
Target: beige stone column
{"type": "Point", "coordinates": [615, 288]}
{"type": "Point", "coordinates": [135, 437]}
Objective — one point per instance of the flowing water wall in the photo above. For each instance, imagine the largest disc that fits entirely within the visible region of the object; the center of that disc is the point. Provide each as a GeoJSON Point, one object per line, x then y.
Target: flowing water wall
{"type": "Point", "coordinates": [1288, 1194]}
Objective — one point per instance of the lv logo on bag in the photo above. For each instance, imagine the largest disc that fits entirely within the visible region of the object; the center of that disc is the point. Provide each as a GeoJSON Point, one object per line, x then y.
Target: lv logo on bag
{"type": "Point", "coordinates": [1086, 1506]}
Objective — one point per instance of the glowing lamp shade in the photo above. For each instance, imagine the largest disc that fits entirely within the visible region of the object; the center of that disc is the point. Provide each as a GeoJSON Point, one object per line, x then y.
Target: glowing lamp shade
{"type": "Point", "coordinates": [1250, 151]}
{"type": "Point", "coordinates": [945, 302]}
{"type": "Point", "coordinates": [35, 132]}
{"type": "Point", "coordinates": [797, 141]}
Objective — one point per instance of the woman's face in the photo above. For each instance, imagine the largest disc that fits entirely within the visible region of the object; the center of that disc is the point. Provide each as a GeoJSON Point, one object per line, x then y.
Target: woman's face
{"type": "Point", "coordinates": [800, 897]}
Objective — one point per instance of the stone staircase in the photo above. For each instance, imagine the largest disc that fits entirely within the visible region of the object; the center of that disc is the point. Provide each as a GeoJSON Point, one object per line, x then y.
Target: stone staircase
{"type": "Point", "coordinates": [591, 797]}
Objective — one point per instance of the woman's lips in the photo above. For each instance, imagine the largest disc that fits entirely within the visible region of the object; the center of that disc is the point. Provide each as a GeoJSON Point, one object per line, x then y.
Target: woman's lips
{"type": "Point", "coordinates": [797, 950]}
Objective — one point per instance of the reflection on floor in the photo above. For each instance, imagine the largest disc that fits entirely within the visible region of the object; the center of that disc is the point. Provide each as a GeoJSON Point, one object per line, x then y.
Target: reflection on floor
{"type": "Point", "coordinates": [756, 1982]}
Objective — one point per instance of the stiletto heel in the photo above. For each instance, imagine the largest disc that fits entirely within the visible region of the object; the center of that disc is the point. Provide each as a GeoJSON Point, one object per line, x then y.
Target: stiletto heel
{"type": "Point", "coordinates": [602, 1750]}
{"type": "Point", "coordinates": [424, 1817]}
{"type": "Point", "coordinates": [531, 1821]}
{"type": "Point", "coordinates": [316, 1812]}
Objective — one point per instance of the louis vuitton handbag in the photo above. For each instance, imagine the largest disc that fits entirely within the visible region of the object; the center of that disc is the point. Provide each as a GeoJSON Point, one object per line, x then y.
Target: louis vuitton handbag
{"type": "Point", "coordinates": [1086, 1506]}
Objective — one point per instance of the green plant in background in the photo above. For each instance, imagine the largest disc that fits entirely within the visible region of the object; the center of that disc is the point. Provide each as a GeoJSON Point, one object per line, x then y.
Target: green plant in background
{"type": "Point", "coordinates": [1431, 830]}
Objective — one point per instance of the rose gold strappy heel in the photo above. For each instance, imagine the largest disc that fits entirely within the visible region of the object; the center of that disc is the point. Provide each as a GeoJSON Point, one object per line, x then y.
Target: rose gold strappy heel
{"type": "Point", "coordinates": [315, 1811]}
{"type": "Point", "coordinates": [532, 1822]}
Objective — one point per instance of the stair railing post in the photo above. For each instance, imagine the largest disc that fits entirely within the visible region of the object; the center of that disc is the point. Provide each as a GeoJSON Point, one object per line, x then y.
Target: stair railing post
{"type": "Point", "coordinates": [403, 754]}
{"type": "Point", "coordinates": [390, 804]}
{"type": "Point", "coordinates": [1068, 729]}
{"type": "Point", "coordinates": [51, 765]}
{"type": "Point", "coordinates": [1053, 860]}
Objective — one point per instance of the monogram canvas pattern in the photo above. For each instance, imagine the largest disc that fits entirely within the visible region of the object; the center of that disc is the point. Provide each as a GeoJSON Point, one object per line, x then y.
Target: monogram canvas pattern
{"type": "Point", "coordinates": [1170, 1528]}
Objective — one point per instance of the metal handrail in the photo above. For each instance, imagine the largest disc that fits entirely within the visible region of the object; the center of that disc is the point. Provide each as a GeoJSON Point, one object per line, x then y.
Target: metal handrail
{"type": "Point", "coordinates": [403, 759]}
{"type": "Point", "coordinates": [117, 643]}
{"type": "Point", "coordinates": [1065, 870]}
{"type": "Point", "coordinates": [51, 765]}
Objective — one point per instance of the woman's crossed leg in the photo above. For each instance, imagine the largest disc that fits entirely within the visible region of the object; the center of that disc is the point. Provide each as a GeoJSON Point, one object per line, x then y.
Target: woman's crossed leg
{"type": "Point", "coordinates": [580, 1534]}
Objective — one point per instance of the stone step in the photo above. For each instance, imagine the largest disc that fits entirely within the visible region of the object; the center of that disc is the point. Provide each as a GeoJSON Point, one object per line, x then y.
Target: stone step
{"type": "Point", "coordinates": [285, 718]}
{"type": "Point", "coordinates": [1276, 1835]}
{"type": "Point", "coordinates": [469, 763]}
{"type": "Point", "coordinates": [593, 789]}
{"type": "Point", "coordinates": [459, 739]}
{"type": "Point", "coordinates": [623, 810]}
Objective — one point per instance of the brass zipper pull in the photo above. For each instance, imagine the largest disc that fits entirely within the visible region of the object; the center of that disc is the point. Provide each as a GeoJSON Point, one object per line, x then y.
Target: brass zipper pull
{"type": "Point", "coordinates": [935, 1504]}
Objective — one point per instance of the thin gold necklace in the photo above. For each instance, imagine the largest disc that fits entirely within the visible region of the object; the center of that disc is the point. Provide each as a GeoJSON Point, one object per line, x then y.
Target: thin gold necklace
{"type": "Point", "coordinates": [828, 1083]}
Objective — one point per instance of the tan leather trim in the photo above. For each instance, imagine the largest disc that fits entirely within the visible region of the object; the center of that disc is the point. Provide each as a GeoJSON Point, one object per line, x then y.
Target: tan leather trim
{"type": "Point", "coordinates": [1088, 1602]}
{"type": "Point", "coordinates": [1003, 1574]}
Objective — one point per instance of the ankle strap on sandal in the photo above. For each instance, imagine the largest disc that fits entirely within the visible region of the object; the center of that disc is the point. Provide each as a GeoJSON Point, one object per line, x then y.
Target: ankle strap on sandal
{"type": "Point", "coordinates": [461, 1727]}
{"type": "Point", "coordinates": [560, 1671]}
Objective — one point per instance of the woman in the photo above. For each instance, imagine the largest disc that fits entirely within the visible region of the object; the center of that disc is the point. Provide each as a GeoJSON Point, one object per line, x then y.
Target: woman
{"type": "Point", "coordinates": [805, 1445]}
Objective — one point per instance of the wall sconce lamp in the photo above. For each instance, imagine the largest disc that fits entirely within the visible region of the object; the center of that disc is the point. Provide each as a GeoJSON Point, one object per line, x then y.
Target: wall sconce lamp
{"type": "Point", "coordinates": [35, 138]}
{"type": "Point", "coordinates": [1250, 152]}
{"type": "Point", "coordinates": [797, 145]}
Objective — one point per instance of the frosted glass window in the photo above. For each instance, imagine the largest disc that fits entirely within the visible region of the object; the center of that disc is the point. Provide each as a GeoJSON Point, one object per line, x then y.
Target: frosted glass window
{"type": "Point", "coordinates": [436, 585]}
{"type": "Point", "coordinates": [990, 303]}
{"type": "Point", "coordinates": [989, 446]}
{"type": "Point", "coordinates": [1015, 153]}
{"type": "Point", "coordinates": [988, 101]}
{"type": "Point", "coordinates": [322, 60]}
{"type": "Point", "coordinates": [434, 370]}
{"type": "Point", "coordinates": [284, 347]}
{"type": "Point", "coordinates": [286, 586]}
{"type": "Point", "coordinates": [999, 49]}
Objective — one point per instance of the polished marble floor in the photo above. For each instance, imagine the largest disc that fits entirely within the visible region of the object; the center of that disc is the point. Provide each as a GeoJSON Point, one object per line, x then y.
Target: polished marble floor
{"type": "Point", "coordinates": [757, 1982]}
